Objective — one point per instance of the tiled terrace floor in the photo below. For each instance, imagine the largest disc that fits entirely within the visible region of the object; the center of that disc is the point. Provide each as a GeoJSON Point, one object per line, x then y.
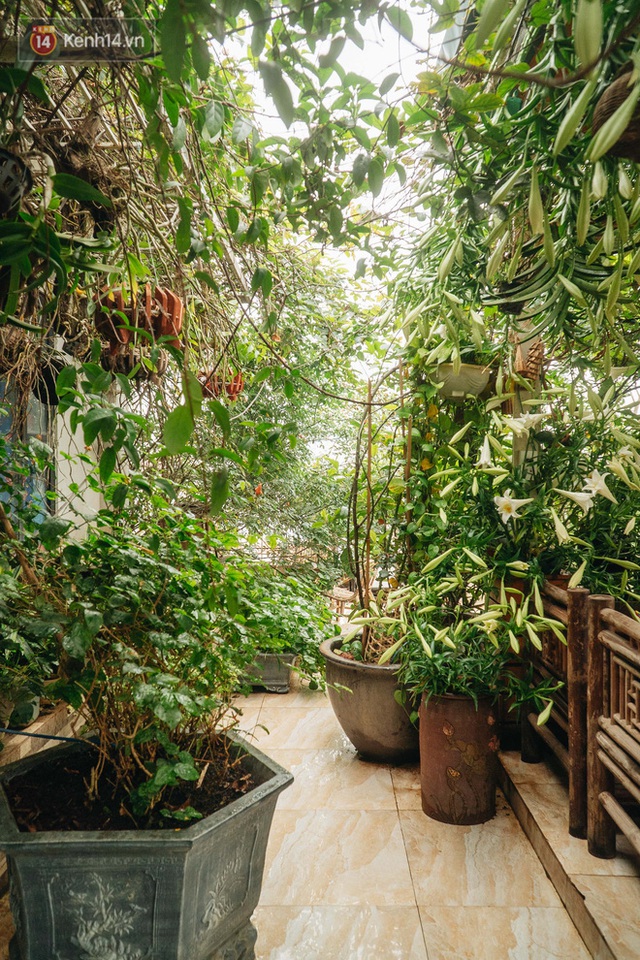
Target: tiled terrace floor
{"type": "Point", "coordinates": [356, 871]}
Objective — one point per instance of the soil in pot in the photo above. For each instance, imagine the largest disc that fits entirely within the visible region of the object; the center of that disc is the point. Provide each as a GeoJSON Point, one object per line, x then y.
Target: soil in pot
{"type": "Point", "coordinates": [363, 697]}
{"type": "Point", "coordinates": [458, 759]}
{"type": "Point", "coordinates": [54, 796]}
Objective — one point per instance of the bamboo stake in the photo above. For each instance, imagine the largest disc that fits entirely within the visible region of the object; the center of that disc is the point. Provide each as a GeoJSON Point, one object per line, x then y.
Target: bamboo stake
{"type": "Point", "coordinates": [369, 519]}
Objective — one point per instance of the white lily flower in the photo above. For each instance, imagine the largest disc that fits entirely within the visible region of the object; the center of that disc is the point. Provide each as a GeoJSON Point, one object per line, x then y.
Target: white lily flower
{"type": "Point", "coordinates": [629, 527]}
{"type": "Point", "coordinates": [583, 499]}
{"type": "Point", "coordinates": [485, 459]}
{"type": "Point", "coordinates": [522, 425]}
{"type": "Point", "coordinates": [595, 484]}
{"type": "Point", "coordinates": [509, 505]}
{"type": "Point", "coordinates": [561, 531]}
{"type": "Point", "coordinates": [626, 453]}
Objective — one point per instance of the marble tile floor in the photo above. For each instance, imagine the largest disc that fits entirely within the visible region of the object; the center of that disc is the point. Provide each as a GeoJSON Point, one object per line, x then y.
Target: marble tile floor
{"type": "Point", "coordinates": [356, 871]}
{"type": "Point", "coordinates": [602, 896]}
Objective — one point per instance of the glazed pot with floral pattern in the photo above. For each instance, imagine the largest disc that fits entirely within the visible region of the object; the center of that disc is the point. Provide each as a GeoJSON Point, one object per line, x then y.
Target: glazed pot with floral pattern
{"type": "Point", "coordinates": [458, 758]}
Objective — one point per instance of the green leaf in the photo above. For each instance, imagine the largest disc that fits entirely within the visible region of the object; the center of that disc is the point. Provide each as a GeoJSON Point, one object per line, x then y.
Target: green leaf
{"type": "Point", "coordinates": [328, 59]}
{"type": "Point", "coordinates": [173, 39]}
{"type": "Point", "coordinates": [289, 389]}
{"type": "Point", "coordinates": [51, 529]}
{"type": "Point", "coordinates": [219, 489]}
{"type": "Point", "coordinates": [93, 620]}
{"type": "Point", "coordinates": [221, 414]}
{"type": "Point", "coordinates": [107, 463]}
{"type": "Point", "coordinates": [192, 392]}
{"type": "Point", "coordinates": [227, 455]}
{"type": "Point", "coordinates": [241, 130]}
{"type": "Point", "coordinates": [375, 176]}
{"type": "Point", "coordinates": [179, 135]}
{"type": "Point", "coordinates": [98, 421]}
{"type": "Point", "coordinates": [73, 188]}
{"type": "Point", "coordinates": [77, 641]}
{"type": "Point", "coordinates": [178, 429]}
{"type": "Point", "coordinates": [183, 233]}
{"type": "Point", "coordinates": [213, 118]}
{"type": "Point", "coordinates": [262, 279]}
{"type": "Point", "coordinates": [360, 168]}
{"type": "Point", "coordinates": [400, 21]}
{"type": "Point", "coordinates": [66, 380]}
{"type": "Point", "coordinates": [393, 129]}
{"type": "Point", "coordinates": [277, 88]}
{"type": "Point", "coordinates": [201, 57]}
{"type": "Point", "coordinates": [388, 83]}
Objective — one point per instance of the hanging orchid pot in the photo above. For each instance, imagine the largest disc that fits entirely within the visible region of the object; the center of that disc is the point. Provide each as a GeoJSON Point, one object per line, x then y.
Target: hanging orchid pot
{"type": "Point", "coordinates": [628, 144]}
{"type": "Point", "coordinates": [109, 323]}
{"type": "Point", "coordinates": [15, 181]}
{"type": "Point", "coordinates": [168, 322]}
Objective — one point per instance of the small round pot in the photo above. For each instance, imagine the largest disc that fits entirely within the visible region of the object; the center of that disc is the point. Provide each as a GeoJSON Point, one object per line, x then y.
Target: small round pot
{"type": "Point", "coordinates": [470, 380]}
{"type": "Point", "coordinates": [377, 725]}
{"type": "Point", "coordinates": [458, 762]}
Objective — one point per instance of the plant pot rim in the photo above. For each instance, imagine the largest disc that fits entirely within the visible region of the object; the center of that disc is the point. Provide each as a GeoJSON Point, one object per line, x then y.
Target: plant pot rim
{"type": "Point", "coordinates": [327, 648]}
{"type": "Point", "coordinates": [481, 698]}
{"type": "Point", "coordinates": [182, 839]}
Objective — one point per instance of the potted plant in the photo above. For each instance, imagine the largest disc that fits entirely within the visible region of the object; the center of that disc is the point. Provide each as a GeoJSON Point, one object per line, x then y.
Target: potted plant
{"type": "Point", "coordinates": [152, 837]}
{"type": "Point", "coordinates": [458, 651]}
{"type": "Point", "coordinates": [369, 702]}
{"type": "Point", "coordinates": [287, 620]}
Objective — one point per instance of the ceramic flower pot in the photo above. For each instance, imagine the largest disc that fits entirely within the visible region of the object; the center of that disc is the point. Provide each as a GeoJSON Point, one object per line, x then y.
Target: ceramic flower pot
{"type": "Point", "coordinates": [458, 759]}
{"type": "Point", "coordinates": [471, 379]}
{"type": "Point", "coordinates": [363, 697]}
{"type": "Point", "coordinates": [130, 895]}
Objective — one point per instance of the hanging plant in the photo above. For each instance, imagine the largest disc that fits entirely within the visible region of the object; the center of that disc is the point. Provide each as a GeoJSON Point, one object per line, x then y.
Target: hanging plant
{"type": "Point", "coordinates": [15, 181]}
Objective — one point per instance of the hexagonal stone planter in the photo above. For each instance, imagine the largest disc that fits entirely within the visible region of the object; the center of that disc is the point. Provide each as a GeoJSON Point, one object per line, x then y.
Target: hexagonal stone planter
{"type": "Point", "coordinates": [142, 895]}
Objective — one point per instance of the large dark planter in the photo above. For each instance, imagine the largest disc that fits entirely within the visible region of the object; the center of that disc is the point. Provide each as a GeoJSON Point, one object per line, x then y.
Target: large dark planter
{"type": "Point", "coordinates": [142, 895]}
{"type": "Point", "coordinates": [376, 724]}
{"type": "Point", "coordinates": [458, 762]}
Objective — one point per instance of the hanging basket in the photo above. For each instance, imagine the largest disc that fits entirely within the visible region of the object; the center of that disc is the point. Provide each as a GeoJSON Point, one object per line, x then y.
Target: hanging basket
{"type": "Point", "coordinates": [15, 181]}
{"type": "Point", "coordinates": [628, 145]}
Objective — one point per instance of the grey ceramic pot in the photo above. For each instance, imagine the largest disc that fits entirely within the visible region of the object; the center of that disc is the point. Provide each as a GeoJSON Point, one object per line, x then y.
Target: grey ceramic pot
{"type": "Point", "coordinates": [363, 699]}
{"type": "Point", "coordinates": [142, 895]}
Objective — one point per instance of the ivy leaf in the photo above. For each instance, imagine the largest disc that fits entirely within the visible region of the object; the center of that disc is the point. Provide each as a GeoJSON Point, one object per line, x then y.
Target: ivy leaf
{"type": "Point", "coordinates": [173, 39]}
{"type": "Point", "coordinates": [277, 88]}
{"type": "Point", "coordinates": [219, 489]}
{"type": "Point", "coordinates": [400, 21]}
{"type": "Point", "coordinates": [178, 429]}
{"type": "Point", "coordinates": [73, 188]}
{"type": "Point", "coordinates": [51, 529]}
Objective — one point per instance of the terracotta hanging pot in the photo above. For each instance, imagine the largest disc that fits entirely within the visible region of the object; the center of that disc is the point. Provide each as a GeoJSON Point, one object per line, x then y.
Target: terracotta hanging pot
{"type": "Point", "coordinates": [15, 182]}
{"type": "Point", "coordinates": [628, 145]}
{"type": "Point", "coordinates": [235, 386]}
{"type": "Point", "coordinates": [169, 319]}
{"type": "Point", "coordinates": [458, 762]}
{"type": "Point", "coordinates": [108, 324]}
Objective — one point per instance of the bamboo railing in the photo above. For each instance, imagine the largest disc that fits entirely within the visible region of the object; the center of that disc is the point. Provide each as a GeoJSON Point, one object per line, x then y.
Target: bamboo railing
{"type": "Point", "coordinates": [613, 760]}
{"type": "Point", "coordinates": [565, 733]}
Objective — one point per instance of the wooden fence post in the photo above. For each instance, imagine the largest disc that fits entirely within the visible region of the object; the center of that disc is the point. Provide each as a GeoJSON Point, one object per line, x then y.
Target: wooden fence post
{"type": "Point", "coordinates": [601, 830]}
{"type": "Point", "coordinates": [577, 655]}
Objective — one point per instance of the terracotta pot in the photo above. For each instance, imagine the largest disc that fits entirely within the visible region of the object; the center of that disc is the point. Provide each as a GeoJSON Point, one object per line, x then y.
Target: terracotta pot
{"type": "Point", "coordinates": [458, 763]}
{"type": "Point", "coordinates": [169, 320]}
{"type": "Point", "coordinates": [376, 724]}
{"type": "Point", "coordinates": [109, 324]}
